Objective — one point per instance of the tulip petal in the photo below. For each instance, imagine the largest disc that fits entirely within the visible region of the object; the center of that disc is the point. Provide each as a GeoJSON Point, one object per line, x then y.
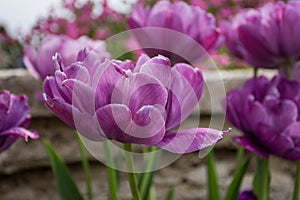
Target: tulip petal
{"type": "Point", "coordinates": [16, 113]}
{"type": "Point", "coordinates": [88, 126]}
{"type": "Point", "coordinates": [282, 113]}
{"type": "Point", "coordinates": [256, 114]}
{"type": "Point", "coordinates": [190, 140]}
{"type": "Point", "coordinates": [83, 96]}
{"type": "Point", "coordinates": [8, 137]}
{"type": "Point", "coordinates": [185, 92]}
{"type": "Point", "coordinates": [233, 108]}
{"type": "Point", "coordinates": [106, 79]}
{"type": "Point", "coordinates": [139, 90]}
{"type": "Point", "coordinates": [117, 123]}
{"type": "Point", "coordinates": [29, 61]}
{"type": "Point", "coordinates": [7, 141]}
{"type": "Point", "coordinates": [61, 109]}
{"type": "Point", "coordinates": [20, 132]}
{"type": "Point", "coordinates": [160, 68]}
{"type": "Point", "coordinates": [140, 62]}
{"type": "Point", "coordinates": [257, 53]}
{"type": "Point", "coordinates": [251, 146]}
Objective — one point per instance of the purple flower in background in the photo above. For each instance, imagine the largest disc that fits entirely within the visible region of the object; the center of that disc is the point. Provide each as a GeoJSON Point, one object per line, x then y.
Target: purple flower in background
{"type": "Point", "coordinates": [14, 119]}
{"type": "Point", "coordinates": [192, 21]}
{"type": "Point", "coordinates": [267, 112]}
{"type": "Point", "coordinates": [247, 195]}
{"type": "Point", "coordinates": [130, 103]}
{"type": "Point", "coordinates": [39, 62]}
{"type": "Point", "coordinates": [266, 37]}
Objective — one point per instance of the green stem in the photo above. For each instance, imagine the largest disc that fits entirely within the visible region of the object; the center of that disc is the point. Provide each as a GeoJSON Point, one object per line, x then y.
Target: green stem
{"type": "Point", "coordinates": [255, 71]}
{"type": "Point", "coordinates": [261, 182]}
{"type": "Point", "coordinates": [297, 183]}
{"type": "Point", "coordinates": [213, 187]}
{"type": "Point", "coordinates": [85, 166]}
{"type": "Point", "coordinates": [240, 157]}
{"type": "Point", "coordinates": [111, 173]}
{"type": "Point", "coordinates": [131, 176]}
{"type": "Point", "coordinates": [288, 68]}
{"type": "Point", "coordinates": [147, 178]}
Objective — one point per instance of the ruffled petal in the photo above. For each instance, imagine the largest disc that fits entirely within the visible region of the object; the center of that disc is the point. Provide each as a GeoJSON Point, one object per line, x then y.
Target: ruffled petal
{"type": "Point", "coordinates": [105, 80]}
{"type": "Point", "coordinates": [83, 96]}
{"type": "Point", "coordinates": [6, 142]}
{"type": "Point", "coordinates": [185, 92]}
{"type": "Point", "coordinates": [146, 127]}
{"type": "Point", "coordinates": [61, 109]}
{"type": "Point", "coordinates": [234, 108]}
{"type": "Point", "coordinates": [29, 61]}
{"type": "Point", "coordinates": [16, 113]}
{"type": "Point", "coordinates": [21, 132]}
{"type": "Point", "coordinates": [190, 140]}
{"type": "Point", "coordinates": [251, 146]}
{"type": "Point", "coordinates": [8, 137]}
{"type": "Point", "coordinates": [138, 90]}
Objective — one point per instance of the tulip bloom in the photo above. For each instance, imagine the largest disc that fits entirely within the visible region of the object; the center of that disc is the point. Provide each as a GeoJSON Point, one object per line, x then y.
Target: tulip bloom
{"type": "Point", "coordinates": [267, 112]}
{"type": "Point", "coordinates": [192, 21]}
{"type": "Point", "coordinates": [247, 195]}
{"type": "Point", "coordinates": [129, 103]}
{"type": "Point", "coordinates": [39, 62]}
{"type": "Point", "coordinates": [14, 119]}
{"type": "Point", "coordinates": [266, 37]}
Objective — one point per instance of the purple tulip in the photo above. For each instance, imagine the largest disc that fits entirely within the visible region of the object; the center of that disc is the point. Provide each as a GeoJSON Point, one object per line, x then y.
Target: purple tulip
{"type": "Point", "coordinates": [267, 112]}
{"type": "Point", "coordinates": [14, 119]}
{"type": "Point", "coordinates": [192, 21]}
{"type": "Point", "coordinates": [140, 103]}
{"type": "Point", "coordinates": [247, 195]}
{"type": "Point", "coordinates": [266, 37]}
{"type": "Point", "coordinates": [39, 62]}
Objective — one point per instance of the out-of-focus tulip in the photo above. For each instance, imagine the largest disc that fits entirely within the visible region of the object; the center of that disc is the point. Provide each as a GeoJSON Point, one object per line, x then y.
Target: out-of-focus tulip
{"type": "Point", "coordinates": [192, 21]}
{"type": "Point", "coordinates": [267, 112]}
{"type": "Point", "coordinates": [14, 119]}
{"type": "Point", "coordinates": [130, 103]}
{"type": "Point", "coordinates": [267, 37]}
{"type": "Point", "coordinates": [40, 63]}
{"type": "Point", "coordinates": [247, 195]}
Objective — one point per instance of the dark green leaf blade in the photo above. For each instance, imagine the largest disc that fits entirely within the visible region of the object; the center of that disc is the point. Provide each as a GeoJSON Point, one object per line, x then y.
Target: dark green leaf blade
{"type": "Point", "coordinates": [213, 187]}
{"type": "Point", "coordinates": [64, 182]}
{"type": "Point", "coordinates": [170, 193]}
{"type": "Point", "coordinates": [234, 187]}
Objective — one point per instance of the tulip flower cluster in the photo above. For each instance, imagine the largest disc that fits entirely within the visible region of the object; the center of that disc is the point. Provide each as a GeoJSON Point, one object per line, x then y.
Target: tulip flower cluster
{"type": "Point", "coordinates": [41, 65]}
{"type": "Point", "coordinates": [144, 102]}
{"type": "Point", "coordinates": [177, 16]}
{"type": "Point", "coordinates": [266, 38]}
{"type": "Point", "coordinates": [129, 103]}
{"type": "Point", "coordinates": [267, 111]}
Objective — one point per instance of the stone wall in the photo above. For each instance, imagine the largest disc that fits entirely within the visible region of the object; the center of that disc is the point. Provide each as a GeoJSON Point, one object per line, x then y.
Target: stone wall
{"type": "Point", "coordinates": [25, 172]}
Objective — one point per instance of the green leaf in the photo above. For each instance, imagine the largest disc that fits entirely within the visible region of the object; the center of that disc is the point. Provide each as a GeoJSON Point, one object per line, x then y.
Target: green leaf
{"type": "Point", "coordinates": [213, 187]}
{"type": "Point", "coordinates": [262, 178]}
{"type": "Point", "coordinates": [234, 187]}
{"type": "Point", "coordinates": [297, 183]}
{"type": "Point", "coordinates": [111, 173]}
{"type": "Point", "coordinates": [86, 167]}
{"type": "Point", "coordinates": [64, 182]}
{"type": "Point", "coordinates": [145, 180]}
{"type": "Point", "coordinates": [170, 194]}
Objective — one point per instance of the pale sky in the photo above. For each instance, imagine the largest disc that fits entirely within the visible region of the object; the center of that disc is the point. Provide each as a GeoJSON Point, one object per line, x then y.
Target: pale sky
{"type": "Point", "coordinates": [22, 14]}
